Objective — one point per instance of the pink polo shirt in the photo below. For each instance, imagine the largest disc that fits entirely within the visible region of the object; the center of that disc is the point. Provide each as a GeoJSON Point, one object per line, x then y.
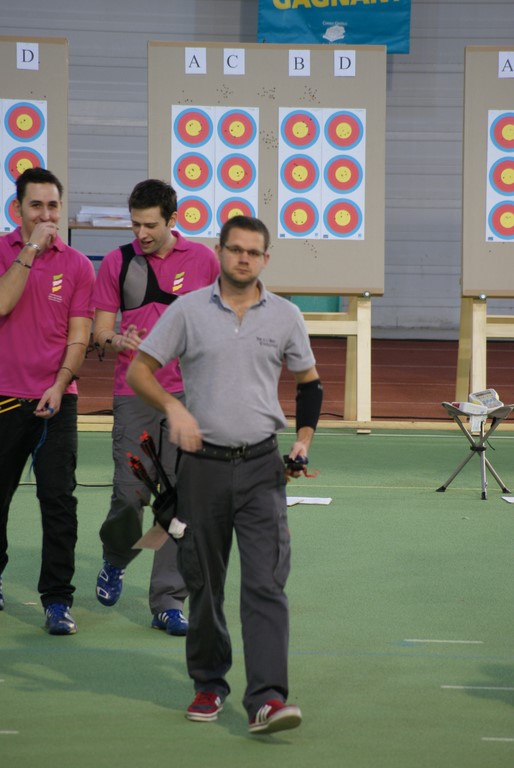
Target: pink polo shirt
{"type": "Point", "coordinates": [187, 267]}
{"type": "Point", "coordinates": [34, 335]}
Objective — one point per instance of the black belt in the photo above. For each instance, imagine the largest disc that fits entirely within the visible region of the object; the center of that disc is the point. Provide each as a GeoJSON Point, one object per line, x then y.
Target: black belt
{"type": "Point", "coordinates": [244, 452]}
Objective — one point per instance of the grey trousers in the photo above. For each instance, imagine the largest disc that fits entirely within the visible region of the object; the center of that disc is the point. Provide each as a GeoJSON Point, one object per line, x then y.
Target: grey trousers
{"type": "Point", "coordinates": [215, 499]}
{"type": "Point", "coordinates": [124, 522]}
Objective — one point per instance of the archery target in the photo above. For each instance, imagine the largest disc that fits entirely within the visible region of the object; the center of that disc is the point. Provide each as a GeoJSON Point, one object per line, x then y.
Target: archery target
{"type": "Point", "coordinates": [194, 215]}
{"type": "Point", "coordinates": [10, 212]}
{"type": "Point", "coordinates": [300, 129]}
{"type": "Point", "coordinates": [343, 174]}
{"type": "Point", "coordinates": [501, 220]}
{"type": "Point", "coordinates": [501, 176]}
{"type": "Point", "coordinates": [342, 218]}
{"type": "Point", "coordinates": [24, 121]}
{"type": "Point", "coordinates": [19, 160]}
{"type": "Point", "coordinates": [236, 173]}
{"type": "Point", "coordinates": [193, 127]}
{"type": "Point", "coordinates": [502, 132]}
{"type": "Point", "coordinates": [234, 206]}
{"type": "Point", "coordinates": [193, 171]}
{"type": "Point", "coordinates": [299, 173]}
{"type": "Point", "coordinates": [237, 128]}
{"type": "Point", "coordinates": [344, 130]}
{"type": "Point", "coordinates": [299, 217]}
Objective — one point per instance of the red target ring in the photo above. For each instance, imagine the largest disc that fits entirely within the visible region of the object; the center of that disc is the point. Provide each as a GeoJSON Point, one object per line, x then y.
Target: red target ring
{"type": "Point", "coordinates": [343, 174]}
{"type": "Point", "coordinates": [236, 172]}
{"type": "Point", "coordinates": [300, 129]}
{"type": "Point", "coordinates": [193, 171]}
{"type": "Point", "coordinates": [344, 130]}
{"type": "Point", "coordinates": [24, 121]}
{"type": "Point", "coordinates": [342, 218]}
{"type": "Point", "coordinates": [299, 217]}
{"type": "Point", "coordinates": [299, 173]}
{"type": "Point", "coordinates": [11, 213]}
{"type": "Point", "coordinates": [502, 132]}
{"type": "Point", "coordinates": [193, 127]}
{"type": "Point", "coordinates": [501, 220]}
{"type": "Point", "coordinates": [19, 160]}
{"type": "Point", "coordinates": [194, 215]}
{"type": "Point", "coordinates": [234, 207]}
{"type": "Point", "coordinates": [502, 176]}
{"type": "Point", "coordinates": [237, 129]}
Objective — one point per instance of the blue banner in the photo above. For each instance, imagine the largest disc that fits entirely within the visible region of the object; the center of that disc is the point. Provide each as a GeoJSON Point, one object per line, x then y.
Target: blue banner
{"type": "Point", "coordinates": [348, 22]}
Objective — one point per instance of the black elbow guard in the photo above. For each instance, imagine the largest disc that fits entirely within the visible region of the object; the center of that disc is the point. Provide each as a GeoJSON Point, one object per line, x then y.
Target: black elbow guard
{"type": "Point", "coordinates": [309, 397]}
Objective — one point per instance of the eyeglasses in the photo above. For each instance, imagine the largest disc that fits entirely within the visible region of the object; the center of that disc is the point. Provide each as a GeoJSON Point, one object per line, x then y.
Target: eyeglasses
{"type": "Point", "coordinates": [238, 251]}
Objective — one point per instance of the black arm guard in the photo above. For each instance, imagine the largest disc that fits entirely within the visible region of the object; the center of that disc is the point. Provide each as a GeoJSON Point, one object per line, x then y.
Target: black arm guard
{"type": "Point", "coordinates": [309, 397]}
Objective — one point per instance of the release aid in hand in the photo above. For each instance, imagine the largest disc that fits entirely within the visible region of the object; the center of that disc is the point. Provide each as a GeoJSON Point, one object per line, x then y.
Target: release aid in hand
{"type": "Point", "coordinates": [298, 464]}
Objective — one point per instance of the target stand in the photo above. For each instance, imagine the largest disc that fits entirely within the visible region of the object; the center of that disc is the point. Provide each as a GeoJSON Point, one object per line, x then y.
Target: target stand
{"type": "Point", "coordinates": [478, 442]}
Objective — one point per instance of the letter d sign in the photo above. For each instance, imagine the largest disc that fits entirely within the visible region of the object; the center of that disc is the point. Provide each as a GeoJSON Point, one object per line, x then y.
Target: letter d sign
{"type": "Point", "coordinates": [27, 56]}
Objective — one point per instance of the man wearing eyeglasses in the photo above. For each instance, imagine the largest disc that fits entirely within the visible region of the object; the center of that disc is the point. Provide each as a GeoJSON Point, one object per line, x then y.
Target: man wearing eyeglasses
{"type": "Point", "coordinates": [231, 339]}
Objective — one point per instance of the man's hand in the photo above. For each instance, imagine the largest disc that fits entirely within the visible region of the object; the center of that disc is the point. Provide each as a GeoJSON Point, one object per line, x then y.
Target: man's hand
{"type": "Point", "coordinates": [183, 428]}
{"type": "Point", "coordinates": [50, 402]}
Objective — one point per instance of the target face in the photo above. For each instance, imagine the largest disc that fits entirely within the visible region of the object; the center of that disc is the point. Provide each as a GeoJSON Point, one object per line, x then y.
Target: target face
{"type": "Point", "coordinates": [236, 172]}
{"type": "Point", "coordinates": [193, 171]}
{"type": "Point", "coordinates": [10, 212]}
{"type": "Point", "coordinates": [342, 218]}
{"type": "Point", "coordinates": [236, 206]}
{"type": "Point", "coordinates": [194, 216]}
{"type": "Point", "coordinates": [193, 127]}
{"type": "Point", "coordinates": [237, 129]}
{"type": "Point", "coordinates": [343, 174]}
{"type": "Point", "coordinates": [501, 176]}
{"type": "Point", "coordinates": [299, 217]}
{"type": "Point", "coordinates": [501, 220]}
{"type": "Point", "coordinates": [19, 160]}
{"type": "Point", "coordinates": [300, 129]}
{"type": "Point", "coordinates": [24, 121]}
{"type": "Point", "coordinates": [502, 132]}
{"type": "Point", "coordinates": [299, 173]}
{"type": "Point", "coordinates": [344, 130]}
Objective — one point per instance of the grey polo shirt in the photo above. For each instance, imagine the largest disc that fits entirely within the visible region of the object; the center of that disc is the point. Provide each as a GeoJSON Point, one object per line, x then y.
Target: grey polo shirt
{"type": "Point", "coordinates": [230, 368]}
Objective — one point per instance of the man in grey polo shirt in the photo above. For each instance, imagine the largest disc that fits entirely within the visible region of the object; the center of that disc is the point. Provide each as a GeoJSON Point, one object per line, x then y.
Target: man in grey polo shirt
{"type": "Point", "coordinates": [231, 339]}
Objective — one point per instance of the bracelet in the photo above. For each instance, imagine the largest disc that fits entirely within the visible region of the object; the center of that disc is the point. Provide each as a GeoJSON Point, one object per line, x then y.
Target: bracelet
{"type": "Point", "coordinates": [19, 261]}
{"type": "Point", "coordinates": [32, 245]}
{"type": "Point", "coordinates": [65, 368]}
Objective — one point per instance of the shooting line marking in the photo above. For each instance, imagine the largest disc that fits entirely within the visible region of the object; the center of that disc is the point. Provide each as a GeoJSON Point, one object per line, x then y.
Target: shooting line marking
{"type": "Point", "coordinates": [497, 738]}
{"type": "Point", "coordinates": [478, 687]}
{"type": "Point", "coordinates": [457, 642]}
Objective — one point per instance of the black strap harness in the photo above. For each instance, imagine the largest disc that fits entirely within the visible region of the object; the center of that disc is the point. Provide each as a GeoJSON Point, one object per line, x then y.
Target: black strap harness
{"type": "Point", "coordinates": [138, 282]}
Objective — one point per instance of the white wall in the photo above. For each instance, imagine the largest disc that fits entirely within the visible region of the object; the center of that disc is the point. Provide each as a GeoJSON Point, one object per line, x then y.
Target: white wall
{"type": "Point", "coordinates": [108, 126]}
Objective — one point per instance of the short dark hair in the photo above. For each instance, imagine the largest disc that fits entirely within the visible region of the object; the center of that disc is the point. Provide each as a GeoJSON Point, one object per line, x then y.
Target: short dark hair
{"type": "Point", "coordinates": [151, 193]}
{"type": "Point", "coordinates": [244, 222]}
{"type": "Point", "coordinates": [36, 176]}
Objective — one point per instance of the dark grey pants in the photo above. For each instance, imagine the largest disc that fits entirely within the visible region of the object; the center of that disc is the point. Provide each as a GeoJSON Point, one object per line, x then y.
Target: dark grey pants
{"type": "Point", "coordinates": [124, 522]}
{"type": "Point", "coordinates": [216, 498]}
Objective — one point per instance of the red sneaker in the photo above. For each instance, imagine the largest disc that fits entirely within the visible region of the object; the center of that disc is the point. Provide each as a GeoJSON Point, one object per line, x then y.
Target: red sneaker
{"type": "Point", "coordinates": [274, 716]}
{"type": "Point", "coordinates": [205, 707]}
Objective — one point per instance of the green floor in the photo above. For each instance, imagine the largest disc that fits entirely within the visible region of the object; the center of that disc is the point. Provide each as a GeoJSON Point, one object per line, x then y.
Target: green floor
{"type": "Point", "coordinates": [402, 627]}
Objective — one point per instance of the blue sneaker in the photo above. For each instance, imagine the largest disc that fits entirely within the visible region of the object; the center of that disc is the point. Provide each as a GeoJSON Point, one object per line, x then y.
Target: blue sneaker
{"type": "Point", "coordinates": [59, 620]}
{"type": "Point", "coordinates": [1, 595]}
{"type": "Point", "coordinates": [173, 621]}
{"type": "Point", "coordinates": [109, 584]}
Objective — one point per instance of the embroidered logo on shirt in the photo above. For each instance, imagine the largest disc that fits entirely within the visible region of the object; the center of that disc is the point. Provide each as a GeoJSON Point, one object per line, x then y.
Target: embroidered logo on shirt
{"type": "Point", "coordinates": [57, 282]}
{"type": "Point", "coordinates": [178, 282]}
{"type": "Point", "coordinates": [266, 341]}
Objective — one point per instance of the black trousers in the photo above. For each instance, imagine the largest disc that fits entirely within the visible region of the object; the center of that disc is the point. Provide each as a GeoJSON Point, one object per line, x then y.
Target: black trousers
{"type": "Point", "coordinates": [54, 469]}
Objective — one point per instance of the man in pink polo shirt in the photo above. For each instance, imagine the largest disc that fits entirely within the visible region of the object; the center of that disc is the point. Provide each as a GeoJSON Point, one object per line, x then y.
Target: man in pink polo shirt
{"type": "Point", "coordinates": [140, 280]}
{"type": "Point", "coordinates": [45, 322]}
